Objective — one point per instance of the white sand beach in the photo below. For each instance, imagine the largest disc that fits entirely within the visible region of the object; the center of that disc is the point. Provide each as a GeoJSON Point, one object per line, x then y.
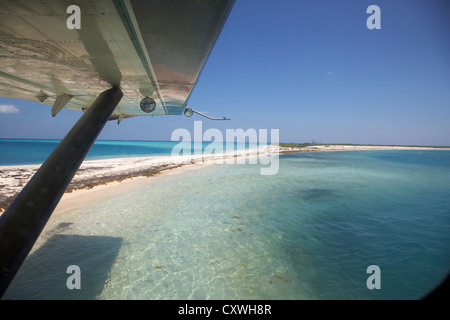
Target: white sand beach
{"type": "Point", "coordinates": [97, 179]}
{"type": "Point", "coordinates": [115, 174]}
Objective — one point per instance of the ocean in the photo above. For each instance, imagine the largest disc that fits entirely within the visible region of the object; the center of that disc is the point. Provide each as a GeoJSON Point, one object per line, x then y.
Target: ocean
{"type": "Point", "coordinates": [36, 151]}
{"type": "Point", "coordinates": [311, 231]}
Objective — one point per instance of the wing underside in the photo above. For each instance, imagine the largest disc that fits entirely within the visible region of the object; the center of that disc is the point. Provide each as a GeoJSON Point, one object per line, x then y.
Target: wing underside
{"type": "Point", "coordinates": [149, 48]}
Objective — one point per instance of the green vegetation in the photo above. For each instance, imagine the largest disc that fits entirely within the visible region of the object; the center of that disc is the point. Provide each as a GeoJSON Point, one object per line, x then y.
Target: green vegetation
{"type": "Point", "coordinates": [295, 145]}
{"type": "Point", "coordinates": [308, 144]}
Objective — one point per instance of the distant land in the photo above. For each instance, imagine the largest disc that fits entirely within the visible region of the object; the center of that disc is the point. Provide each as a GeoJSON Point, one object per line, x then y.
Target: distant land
{"type": "Point", "coordinates": [312, 144]}
{"type": "Point", "coordinates": [309, 147]}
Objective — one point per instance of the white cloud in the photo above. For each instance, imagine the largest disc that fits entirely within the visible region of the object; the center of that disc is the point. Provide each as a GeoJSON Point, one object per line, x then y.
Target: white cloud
{"type": "Point", "coordinates": [332, 74]}
{"type": "Point", "coordinates": [8, 109]}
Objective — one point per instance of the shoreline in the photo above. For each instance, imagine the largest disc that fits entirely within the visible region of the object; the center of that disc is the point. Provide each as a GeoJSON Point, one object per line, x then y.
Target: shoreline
{"type": "Point", "coordinates": [338, 147]}
{"type": "Point", "coordinates": [95, 173]}
{"type": "Point", "coordinates": [118, 174]}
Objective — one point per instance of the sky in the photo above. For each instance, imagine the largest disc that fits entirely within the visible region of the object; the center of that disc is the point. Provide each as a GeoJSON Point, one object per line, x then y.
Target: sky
{"type": "Point", "coordinates": [311, 69]}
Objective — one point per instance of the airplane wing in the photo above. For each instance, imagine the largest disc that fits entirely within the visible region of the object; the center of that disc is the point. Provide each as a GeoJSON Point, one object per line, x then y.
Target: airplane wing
{"type": "Point", "coordinates": [110, 58]}
{"type": "Point", "coordinates": [150, 48]}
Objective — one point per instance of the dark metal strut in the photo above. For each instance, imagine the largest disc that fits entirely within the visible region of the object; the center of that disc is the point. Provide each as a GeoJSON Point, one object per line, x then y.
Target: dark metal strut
{"type": "Point", "coordinates": [24, 220]}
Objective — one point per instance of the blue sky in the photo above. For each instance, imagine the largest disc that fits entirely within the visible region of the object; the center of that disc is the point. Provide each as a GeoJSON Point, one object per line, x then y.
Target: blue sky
{"type": "Point", "coordinates": [311, 69]}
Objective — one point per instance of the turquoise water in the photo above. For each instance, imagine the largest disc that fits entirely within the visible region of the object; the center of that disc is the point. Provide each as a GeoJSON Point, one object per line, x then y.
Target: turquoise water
{"type": "Point", "coordinates": [226, 232]}
{"type": "Point", "coordinates": [23, 152]}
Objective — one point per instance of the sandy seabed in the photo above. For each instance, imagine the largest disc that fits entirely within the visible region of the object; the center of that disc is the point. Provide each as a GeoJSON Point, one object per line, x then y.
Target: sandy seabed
{"type": "Point", "coordinates": [99, 179]}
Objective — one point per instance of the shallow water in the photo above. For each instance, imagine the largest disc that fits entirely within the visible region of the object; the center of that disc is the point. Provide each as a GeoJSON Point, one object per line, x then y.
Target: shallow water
{"type": "Point", "coordinates": [227, 232]}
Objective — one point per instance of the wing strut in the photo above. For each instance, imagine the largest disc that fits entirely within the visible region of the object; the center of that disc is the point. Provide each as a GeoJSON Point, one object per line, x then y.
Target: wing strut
{"type": "Point", "coordinates": [25, 218]}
